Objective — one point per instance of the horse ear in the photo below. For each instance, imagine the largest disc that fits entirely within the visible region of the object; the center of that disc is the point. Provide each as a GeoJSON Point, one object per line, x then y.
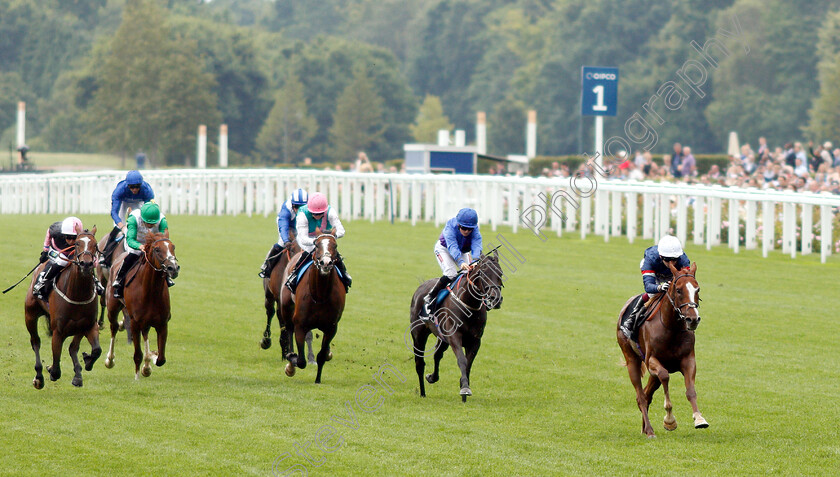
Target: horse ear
{"type": "Point", "coordinates": [93, 231]}
{"type": "Point", "coordinates": [671, 267]}
{"type": "Point", "coordinates": [693, 268]}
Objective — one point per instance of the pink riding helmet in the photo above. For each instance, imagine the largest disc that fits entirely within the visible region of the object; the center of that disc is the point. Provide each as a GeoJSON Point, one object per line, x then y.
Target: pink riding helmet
{"type": "Point", "coordinates": [317, 203]}
{"type": "Point", "coordinates": [71, 226]}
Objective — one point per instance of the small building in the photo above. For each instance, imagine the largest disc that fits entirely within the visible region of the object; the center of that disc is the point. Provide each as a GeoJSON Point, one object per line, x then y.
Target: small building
{"type": "Point", "coordinates": [432, 158]}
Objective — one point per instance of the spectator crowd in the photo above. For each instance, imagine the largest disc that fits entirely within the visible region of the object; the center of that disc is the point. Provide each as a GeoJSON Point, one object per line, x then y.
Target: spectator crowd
{"type": "Point", "coordinates": [792, 167]}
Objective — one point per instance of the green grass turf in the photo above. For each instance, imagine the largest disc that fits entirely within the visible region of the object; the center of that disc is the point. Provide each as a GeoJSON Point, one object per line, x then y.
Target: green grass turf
{"type": "Point", "coordinates": [550, 397]}
{"type": "Point", "coordinates": [66, 161]}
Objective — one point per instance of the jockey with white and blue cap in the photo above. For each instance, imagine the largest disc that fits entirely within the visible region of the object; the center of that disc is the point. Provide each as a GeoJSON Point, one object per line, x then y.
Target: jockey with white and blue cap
{"type": "Point", "coordinates": [458, 244]}
{"type": "Point", "coordinates": [285, 223]}
{"type": "Point", "coordinates": [656, 276]}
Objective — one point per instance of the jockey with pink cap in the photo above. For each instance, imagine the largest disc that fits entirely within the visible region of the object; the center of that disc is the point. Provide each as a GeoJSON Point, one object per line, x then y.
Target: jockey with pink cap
{"type": "Point", "coordinates": [317, 216]}
{"type": "Point", "coordinates": [59, 245]}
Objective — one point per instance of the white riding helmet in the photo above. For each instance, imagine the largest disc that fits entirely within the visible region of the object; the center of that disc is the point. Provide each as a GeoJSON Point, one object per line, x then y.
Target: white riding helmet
{"type": "Point", "coordinates": [670, 246]}
{"type": "Point", "coordinates": [71, 226]}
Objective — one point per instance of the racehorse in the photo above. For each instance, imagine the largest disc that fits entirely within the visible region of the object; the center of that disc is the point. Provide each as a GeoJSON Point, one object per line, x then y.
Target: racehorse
{"type": "Point", "coordinates": [318, 303]}
{"type": "Point", "coordinates": [271, 286]}
{"type": "Point", "coordinates": [666, 345]}
{"type": "Point", "coordinates": [103, 271]}
{"type": "Point", "coordinates": [460, 319]}
{"type": "Point", "coordinates": [71, 311]}
{"type": "Point", "coordinates": [145, 302]}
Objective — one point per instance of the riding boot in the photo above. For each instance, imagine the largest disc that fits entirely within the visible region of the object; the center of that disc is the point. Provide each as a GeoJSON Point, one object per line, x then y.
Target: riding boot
{"type": "Point", "coordinates": [100, 290]}
{"type": "Point", "coordinates": [270, 260]}
{"type": "Point", "coordinates": [110, 245]}
{"type": "Point", "coordinates": [345, 277]}
{"type": "Point", "coordinates": [628, 323]}
{"type": "Point", "coordinates": [119, 283]}
{"type": "Point", "coordinates": [429, 300]}
{"type": "Point", "coordinates": [43, 286]}
{"type": "Point", "coordinates": [291, 282]}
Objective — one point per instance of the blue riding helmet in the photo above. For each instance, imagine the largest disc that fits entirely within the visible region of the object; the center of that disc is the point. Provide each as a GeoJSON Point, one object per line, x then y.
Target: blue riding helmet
{"type": "Point", "coordinates": [299, 197]}
{"type": "Point", "coordinates": [467, 218]}
{"type": "Point", "coordinates": [133, 178]}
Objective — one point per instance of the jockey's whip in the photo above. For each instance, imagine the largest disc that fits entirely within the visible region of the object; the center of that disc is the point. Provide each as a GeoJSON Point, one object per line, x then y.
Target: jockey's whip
{"type": "Point", "coordinates": [24, 278]}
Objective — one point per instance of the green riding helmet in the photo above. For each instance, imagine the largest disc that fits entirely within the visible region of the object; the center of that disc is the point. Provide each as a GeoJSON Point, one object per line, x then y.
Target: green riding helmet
{"type": "Point", "coordinates": [150, 213]}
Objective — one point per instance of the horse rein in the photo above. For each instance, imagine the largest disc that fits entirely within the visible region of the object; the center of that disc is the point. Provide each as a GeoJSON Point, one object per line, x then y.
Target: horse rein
{"type": "Point", "coordinates": [474, 267]}
{"type": "Point", "coordinates": [690, 304]}
{"type": "Point", "coordinates": [76, 261]}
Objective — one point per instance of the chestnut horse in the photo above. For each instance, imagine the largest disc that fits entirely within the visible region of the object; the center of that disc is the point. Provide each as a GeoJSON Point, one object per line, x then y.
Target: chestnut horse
{"type": "Point", "coordinates": [460, 319]}
{"type": "Point", "coordinates": [145, 302]}
{"type": "Point", "coordinates": [666, 345]}
{"type": "Point", "coordinates": [271, 288]}
{"type": "Point", "coordinates": [318, 302]}
{"type": "Point", "coordinates": [71, 309]}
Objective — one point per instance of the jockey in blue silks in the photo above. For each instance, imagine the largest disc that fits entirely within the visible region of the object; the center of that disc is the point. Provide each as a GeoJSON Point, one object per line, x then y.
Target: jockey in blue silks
{"type": "Point", "coordinates": [132, 193]}
{"type": "Point", "coordinates": [656, 275]}
{"type": "Point", "coordinates": [455, 249]}
{"type": "Point", "coordinates": [285, 223]}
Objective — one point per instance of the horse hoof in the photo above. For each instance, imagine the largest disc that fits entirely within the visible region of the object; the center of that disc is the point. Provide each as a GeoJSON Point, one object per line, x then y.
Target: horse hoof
{"type": "Point", "coordinates": [109, 363]}
{"type": "Point", "coordinates": [431, 379]}
{"type": "Point", "coordinates": [122, 325]}
{"type": "Point", "coordinates": [651, 436]}
{"type": "Point", "coordinates": [670, 426]}
{"type": "Point", "coordinates": [311, 360]}
{"type": "Point", "coordinates": [146, 371]}
{"type": "Point", "coordinates": [329, 356]}
{"type": "Point", "coordinates": [465, 391]}
{"type": "Point", "coordinates": [290, 370]}
{"type": "Point", "coordinates": [54, 376]}
{"type": "Point", "coordinates": [265, 343]}
{"type": "Point", "coordinates": [701, 425]}
{"type": "Point", "coordinates": [160, 362]}
{"type": "Point", "coordinates": [38, 383]}
{"type": "Point", "coordinates": [77, 381]}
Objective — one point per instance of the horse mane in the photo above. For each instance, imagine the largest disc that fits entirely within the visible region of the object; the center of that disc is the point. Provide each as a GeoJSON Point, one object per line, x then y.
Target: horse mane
{"type": "Point", "coordinates": [150, 238]}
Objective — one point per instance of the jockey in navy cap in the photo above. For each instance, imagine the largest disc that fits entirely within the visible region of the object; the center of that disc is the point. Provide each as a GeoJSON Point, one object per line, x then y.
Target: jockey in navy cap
{"type": "Point", "coordinates": [457, 245]}
{"type": "Point", "coordinates": [286, 222]}
{"type": "Point", "coordinates": [656, 275]}
{"type": "Point", "coordinates": [131, 193]}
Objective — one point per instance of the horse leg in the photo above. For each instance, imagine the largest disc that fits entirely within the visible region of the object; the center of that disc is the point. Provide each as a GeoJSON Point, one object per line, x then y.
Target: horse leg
{"type": "Point", "coordinates": [147, 356]}
{"type": "Point", "coordinates": [325, 353]}
{"type": "Point", "coordinates": [73, 350]}
{"type": "Point", "coordinates": [471, 355]}
{"type": "Point", "coordinates": [55, 369]}
{"type": "Point", "coordinates": [688, 367]}
{"type": "Point", "coordinates": [419, 336]}
{"type": "Point", "coordinates": [440, 348]}
{"type": "Point", "coordinates": [300, 338]}
{"type": "Point", "coordinates": [95, 349]}
{"type": "Point", "coordinates": [457, 348]}
{"type": "Point", "coordinates": [310, 356]}
{"type": "Point", "coordinates": [115, 327]}
{"type": "Point", "coordinates": [35, 340]}
{"type": "Point", "coordinates": [269, 314]}
{"type": "Point", "coordinates": [162, 332]}
{"type": "Point", "coordinates": [664, 377]}
{"type": "Point", "coordinates": [138, 353]}
{"type": "Point", "coordinates": [634, 369]}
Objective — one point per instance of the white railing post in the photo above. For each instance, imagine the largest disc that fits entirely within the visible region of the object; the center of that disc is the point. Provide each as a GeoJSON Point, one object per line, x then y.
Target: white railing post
{"type": "Point", "coordinates": [632, 211]}
{"type": "Point", "coordinates": [807, 228]}
{"type": "Point", "coordinates": [750, 242]}
{"type": "Point", "coordinates": [825, 232]}
{"type": "Point", "coordinates": [699, 220]}
{"type": "Point", "coordinates": [768, 226]}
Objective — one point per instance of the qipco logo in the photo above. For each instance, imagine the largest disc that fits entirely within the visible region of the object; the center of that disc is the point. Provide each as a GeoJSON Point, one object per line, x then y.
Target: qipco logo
{"type": "Point", "coordinates": [601, 76]}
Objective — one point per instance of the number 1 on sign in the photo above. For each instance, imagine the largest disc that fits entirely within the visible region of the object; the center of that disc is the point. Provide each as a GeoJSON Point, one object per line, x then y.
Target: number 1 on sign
{"type": "Point", "coordinates": [599, 104]}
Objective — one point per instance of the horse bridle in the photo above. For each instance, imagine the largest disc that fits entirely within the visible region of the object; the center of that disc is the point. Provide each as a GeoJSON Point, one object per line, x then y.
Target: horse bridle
{"type": "Point", "coordinates": [328, 254]}
{"type": "Point", "coordinates": [76, 261]}
{"type": "Point", "coordinates": [163, 263]}
{"type": "Point", "coordinates": [690, 304]}
{"type": "Point", "coordinates": [479, 272]}
{"type": "Point", "coordinates": [77, 256]}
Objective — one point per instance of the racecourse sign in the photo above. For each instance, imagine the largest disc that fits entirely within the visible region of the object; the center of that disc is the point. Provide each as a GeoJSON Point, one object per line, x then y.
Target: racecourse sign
{"type": "Point", "coordinates": [599, 95]}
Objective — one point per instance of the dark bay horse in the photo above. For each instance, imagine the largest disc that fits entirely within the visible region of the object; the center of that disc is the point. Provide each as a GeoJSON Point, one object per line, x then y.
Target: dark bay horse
{"type": "Point", "coordinates": [103, 272]}
{"type": "Point", "coordinates": [318, 303]}
{"type": "Point", "coordinates": [666, 345]}
{"type": "Point", "coordinates": [461, 318]}
{"type": "Point", "coordinates": [71, 310]}
{"type": "Point", "coordinates": [271, 286]}
{"type": "Point", "coordinates": [145, 302]}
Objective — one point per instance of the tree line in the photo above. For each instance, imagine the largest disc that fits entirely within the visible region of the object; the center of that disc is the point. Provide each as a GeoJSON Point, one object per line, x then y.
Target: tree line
{"type": "Point", "coordinates": [327, 78]}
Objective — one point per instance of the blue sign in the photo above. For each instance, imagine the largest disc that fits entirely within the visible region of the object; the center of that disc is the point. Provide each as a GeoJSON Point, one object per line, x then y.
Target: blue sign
{"type": "Point", "coordinates": [599, 96]}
